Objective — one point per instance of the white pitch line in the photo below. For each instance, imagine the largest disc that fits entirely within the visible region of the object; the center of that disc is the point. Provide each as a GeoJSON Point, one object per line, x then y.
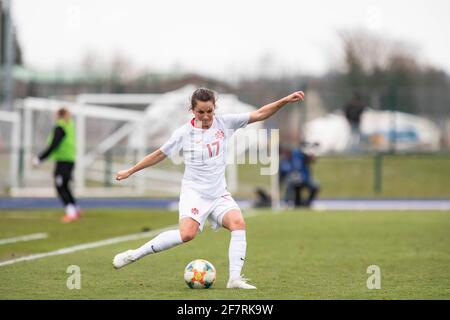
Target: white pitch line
{"type": "Point", "coordinates": [29, 237]}
{"type": "Point", "coordinates": [86, 246]}
{"type": "Point", "coordinates": [101, 243]}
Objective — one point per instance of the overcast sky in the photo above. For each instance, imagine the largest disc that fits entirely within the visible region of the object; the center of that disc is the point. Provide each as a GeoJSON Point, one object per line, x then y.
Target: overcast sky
{"type": "Point", "coordinates": [224, 38]}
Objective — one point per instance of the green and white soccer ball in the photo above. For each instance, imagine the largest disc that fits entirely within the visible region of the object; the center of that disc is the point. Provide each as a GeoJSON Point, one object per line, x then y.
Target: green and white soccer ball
{"type": "Point", "coordinates": [199, 274]}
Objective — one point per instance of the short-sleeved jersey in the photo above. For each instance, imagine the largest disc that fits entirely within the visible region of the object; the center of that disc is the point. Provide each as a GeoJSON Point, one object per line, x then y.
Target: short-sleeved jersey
{"type": "Point", "coordinates": [204, 152]}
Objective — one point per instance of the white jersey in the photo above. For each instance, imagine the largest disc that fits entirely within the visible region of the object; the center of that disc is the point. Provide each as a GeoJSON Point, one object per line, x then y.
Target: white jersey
{"type": "Point", "coordinates": [204, 153]}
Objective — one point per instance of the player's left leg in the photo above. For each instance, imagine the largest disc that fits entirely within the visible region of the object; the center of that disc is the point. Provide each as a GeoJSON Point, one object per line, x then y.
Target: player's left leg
{"type": "Point", "coordinates": [233, 221]}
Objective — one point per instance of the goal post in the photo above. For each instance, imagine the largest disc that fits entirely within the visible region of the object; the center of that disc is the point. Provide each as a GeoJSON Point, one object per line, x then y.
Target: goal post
{"type": "Point", "coordinates": [12, 118]}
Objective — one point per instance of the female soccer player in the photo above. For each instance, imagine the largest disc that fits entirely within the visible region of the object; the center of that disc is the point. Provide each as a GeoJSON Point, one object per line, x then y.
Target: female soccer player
{"type": "Point", "coordinates": [62, 148]}
{"type": "Point", "coordinates": [204, 194]}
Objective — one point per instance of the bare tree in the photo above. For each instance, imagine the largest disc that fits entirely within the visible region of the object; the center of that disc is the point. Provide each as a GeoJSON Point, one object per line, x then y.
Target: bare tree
{"type": "Point", "coordinates": [386, 72]}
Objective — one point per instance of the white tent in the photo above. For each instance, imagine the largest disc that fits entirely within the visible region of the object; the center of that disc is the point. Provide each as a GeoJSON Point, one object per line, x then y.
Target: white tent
{"type": "Point", "coordinates": [379, 131]}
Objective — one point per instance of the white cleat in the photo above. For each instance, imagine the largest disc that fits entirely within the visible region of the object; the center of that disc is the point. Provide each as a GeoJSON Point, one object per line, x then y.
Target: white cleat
{"type": "Point", "coordinates": [123, 259]}
{"type": "Point", "coordinates": [239, 283]}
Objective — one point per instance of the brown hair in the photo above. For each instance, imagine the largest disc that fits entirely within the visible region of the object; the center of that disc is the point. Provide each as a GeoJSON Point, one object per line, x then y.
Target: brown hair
{"type": "Point", "coordinates": [202, 94]}
{"type": "Point", "coordinates": [62, 113]}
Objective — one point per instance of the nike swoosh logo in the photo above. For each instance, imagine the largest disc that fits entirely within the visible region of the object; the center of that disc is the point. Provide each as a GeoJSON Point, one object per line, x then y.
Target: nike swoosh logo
{"type": "Point", "coordinates": [154, 249]}
{"type": "Point", "coordinates": [241, 258]}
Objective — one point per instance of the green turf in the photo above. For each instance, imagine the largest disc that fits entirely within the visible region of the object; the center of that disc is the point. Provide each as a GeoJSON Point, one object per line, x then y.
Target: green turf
{"type": "Point", "coordinates": [291, 255]}
{"type": "Point", "coordinates": [401, 176]}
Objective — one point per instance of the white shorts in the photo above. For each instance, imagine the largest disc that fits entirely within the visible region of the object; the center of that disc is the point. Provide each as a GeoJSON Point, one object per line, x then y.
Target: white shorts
{"type": "Point", "coordinates": [200, 209]}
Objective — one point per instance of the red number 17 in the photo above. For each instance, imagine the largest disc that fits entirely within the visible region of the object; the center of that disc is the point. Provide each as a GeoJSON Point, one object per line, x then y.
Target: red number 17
{"type": "Point", "coordinates": [217, 144]}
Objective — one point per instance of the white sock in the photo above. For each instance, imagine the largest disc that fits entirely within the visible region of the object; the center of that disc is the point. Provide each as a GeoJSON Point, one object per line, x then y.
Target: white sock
{"type": "Point", "coordinates": [236, 252]}
{"type": "Point", "coordinates": [162, 241]}
{"type": "Point", "coordinates": [71, 211]}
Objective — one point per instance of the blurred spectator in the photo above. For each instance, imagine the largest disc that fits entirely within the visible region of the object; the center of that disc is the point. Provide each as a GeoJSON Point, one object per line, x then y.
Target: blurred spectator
{"type": "Point", "coordinates": [353, 111]}
{"type": "Point", "coordinates": [285, 163]}
{"type": "Point", "coordinates": [300, 177]}
{"type": "Point", "coordinates": [62, 149]}
{"type": "Point", "coordinates": [263, 199]}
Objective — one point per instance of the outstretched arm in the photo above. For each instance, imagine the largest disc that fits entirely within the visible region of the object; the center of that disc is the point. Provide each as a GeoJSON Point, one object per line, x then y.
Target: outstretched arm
{"type": "Point", "coordinates": [150, 160]}
{"type": "Point", "coordinates": [58, 135]}
{"type": "Point", "coordinates": [268, 110]}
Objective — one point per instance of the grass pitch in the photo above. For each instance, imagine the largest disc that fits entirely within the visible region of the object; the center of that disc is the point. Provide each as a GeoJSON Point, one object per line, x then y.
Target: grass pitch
{"type": "Point", "coordinates": [290, 255]}
{"type": "Point", "coordinates": [401, 176]}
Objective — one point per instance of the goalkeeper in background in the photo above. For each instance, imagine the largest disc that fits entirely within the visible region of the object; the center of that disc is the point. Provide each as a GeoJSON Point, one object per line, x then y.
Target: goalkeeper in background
{"type": "Point", "coordinates": [62, 149]}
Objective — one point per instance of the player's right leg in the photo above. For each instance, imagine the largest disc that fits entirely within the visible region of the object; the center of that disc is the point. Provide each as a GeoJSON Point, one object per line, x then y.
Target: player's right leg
{"type": "Point", "coordinates": [193, 213]}
{"type": "Point", "coordinates": [164, 241]}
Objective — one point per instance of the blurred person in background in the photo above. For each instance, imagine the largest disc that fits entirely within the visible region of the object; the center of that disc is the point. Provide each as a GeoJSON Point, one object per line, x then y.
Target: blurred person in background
{"type": "Point", "coordinates": [285, 169]}
{"type": "Point", "coordinates": [299, 178]}
{"type": "Point", "coordinates": [263, 199]}
{"type": "Point", "coordinates": [62, 149]}
{"type": "Point", "coordinates": [353, 111]}
{"type": "Point", "coordinates": [285, 163]}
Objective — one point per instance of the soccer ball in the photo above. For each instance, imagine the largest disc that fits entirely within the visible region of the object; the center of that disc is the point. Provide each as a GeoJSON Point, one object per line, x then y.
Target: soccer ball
{"type": "Point", "coordinates": [199, 274]}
